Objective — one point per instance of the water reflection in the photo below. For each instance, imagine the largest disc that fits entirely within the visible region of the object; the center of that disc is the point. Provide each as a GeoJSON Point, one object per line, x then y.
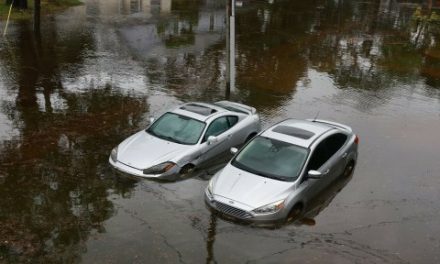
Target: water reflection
{"type": "Point", "coordinates": [366, 46]}
{"type": "Point", "coordinates": [322, 201]}
{"type": "Point", "coordinates": [211, 239]}
{"type": "Point", "coordinates": [53, 177]}
{"type": "Point", "coordinates": [93, 75]}
{"type": "Point", "coordinates": [133, 8]}
{"type": "Point", "coordinates": [53, 182]}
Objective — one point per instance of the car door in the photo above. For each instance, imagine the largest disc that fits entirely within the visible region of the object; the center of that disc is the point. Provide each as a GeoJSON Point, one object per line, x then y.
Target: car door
{"type": "Point", "coordinates": [220, 128]}
{"type": "Point", "coordinates": [327, 159]}
{"type": "Point", "coordinates": [338, 156]}
{"type": "Point", "coordinates": [236, 137]}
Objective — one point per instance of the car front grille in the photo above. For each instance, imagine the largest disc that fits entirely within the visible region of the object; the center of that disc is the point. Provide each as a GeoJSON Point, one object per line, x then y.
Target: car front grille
{"type": "Point", "coordinates": [230, 210]}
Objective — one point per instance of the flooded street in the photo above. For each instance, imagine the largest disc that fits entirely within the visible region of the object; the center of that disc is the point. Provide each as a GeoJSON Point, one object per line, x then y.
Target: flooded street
{"type": "Point", "coordinates": [98, 72]}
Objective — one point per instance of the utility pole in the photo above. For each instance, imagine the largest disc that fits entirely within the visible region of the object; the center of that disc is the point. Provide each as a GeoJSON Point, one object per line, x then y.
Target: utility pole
{"type": "Point", "coordinates": [230, 47]}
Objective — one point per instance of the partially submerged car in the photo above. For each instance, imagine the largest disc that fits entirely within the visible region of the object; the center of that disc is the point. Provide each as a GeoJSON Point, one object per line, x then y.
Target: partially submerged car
{"type": "Point", "coordinates": [184, 138]}
{"type": "Point", "coordinates": [277, 173]}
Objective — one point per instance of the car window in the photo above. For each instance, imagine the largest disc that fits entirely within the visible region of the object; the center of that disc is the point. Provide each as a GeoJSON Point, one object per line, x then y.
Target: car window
{"type": "Point", "coordinates": [177, 128]}
{"type": "Point", "coordinates": [217, 127]}
{"type": "Point", "coordinates": [335, 142]}
{"type": "Point", "coordinates": [232, 120]}
{"type": "Point", "coordinates": [271, 158]}
{"type": "Point", "coordinates": [325, 150]}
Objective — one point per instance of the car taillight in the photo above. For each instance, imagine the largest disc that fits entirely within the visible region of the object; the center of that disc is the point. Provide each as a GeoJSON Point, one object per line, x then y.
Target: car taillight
{"type": "Point", "coordinates": [356, 140]}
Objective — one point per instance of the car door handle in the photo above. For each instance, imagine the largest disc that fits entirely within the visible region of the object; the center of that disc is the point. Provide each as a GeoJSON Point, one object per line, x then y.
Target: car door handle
{"type": "Point", "coordinates": [326, 172]}
{"type": "Point", "coordinates": [344, 155]}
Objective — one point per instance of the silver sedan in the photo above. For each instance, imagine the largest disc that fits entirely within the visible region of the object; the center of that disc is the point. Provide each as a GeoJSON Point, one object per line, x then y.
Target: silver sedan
{"type": "Point", "coordinates": [276, 175]}
{"type": "Point", "coordinates": [185, 137]}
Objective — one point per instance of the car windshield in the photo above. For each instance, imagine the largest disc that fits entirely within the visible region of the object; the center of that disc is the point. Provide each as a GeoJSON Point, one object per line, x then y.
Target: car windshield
{"type": "Point", "coordinates": [177, 128]}
{"type": "Point", "coordinates": [272, 159]}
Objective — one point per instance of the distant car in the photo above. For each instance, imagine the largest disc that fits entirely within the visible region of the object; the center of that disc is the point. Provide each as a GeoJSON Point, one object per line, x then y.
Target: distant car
{"type": "Point", "coordinates": [184, 138]}
{"type": "Point", "coordinates": [279, 171]}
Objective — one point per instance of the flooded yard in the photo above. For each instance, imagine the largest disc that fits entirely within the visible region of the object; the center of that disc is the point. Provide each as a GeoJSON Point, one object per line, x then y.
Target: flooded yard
{"type": "Point", "coordinates": [96, 73]}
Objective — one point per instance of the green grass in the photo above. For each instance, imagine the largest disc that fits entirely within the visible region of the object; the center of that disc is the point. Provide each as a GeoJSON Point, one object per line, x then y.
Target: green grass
{"type": "Point", "coordinates": [46, 8]}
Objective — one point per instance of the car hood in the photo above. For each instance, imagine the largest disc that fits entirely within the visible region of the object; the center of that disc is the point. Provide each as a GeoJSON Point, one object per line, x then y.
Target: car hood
{"type": "Point", "coordinates": [143, 150]}
{"type": "Point", "coordinates": [249, 189]}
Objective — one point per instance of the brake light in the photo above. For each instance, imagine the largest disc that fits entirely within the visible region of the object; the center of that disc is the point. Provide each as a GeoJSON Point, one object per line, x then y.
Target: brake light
{"type": "Point", "coordinates": [356, 140]}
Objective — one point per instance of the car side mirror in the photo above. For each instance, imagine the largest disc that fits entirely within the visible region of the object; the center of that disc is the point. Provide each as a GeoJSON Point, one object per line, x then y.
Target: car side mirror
{"type": "Point", "coordinates": [211, 140]}
{"type": "Point", "coordinates": [152, 120]}
{"type": "Point", "coordinates": [314, 174]}
{"type": "Point", "coordinates": [234, 150]}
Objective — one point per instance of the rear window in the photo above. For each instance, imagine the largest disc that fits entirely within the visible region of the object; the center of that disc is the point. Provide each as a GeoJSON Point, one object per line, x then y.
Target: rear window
{"type": "Point", "coordinates": [293, 131]}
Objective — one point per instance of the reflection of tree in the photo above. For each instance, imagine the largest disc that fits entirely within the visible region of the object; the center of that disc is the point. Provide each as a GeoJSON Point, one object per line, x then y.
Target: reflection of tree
{"type": "Point", "coordinates": [362, 45]}
{"type": "Point", "coordinates": [425, 32]}
{"type": "Point", "coordinates": [431, 66]}
{"type": "Point", "coordinates": [190, 77]}
{"type": "Point", "coordinates": [192, 69]}
{"type": "Point", "coordinates": [372, 49]}
{"type": "Point", "coordinates": [322, 200]}
{"type": "Point", "coordinates": [270, 59]}
{"type": "Point", "coordinates": [51, 176]}
{"type": "Point", "coordinates": [179, 31]}
{"type": "Point", "coordinates": [210, 258]}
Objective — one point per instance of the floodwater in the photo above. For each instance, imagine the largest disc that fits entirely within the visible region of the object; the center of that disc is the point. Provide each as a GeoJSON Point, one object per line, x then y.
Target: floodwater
{"type": "Point", "coordinates": [97, 72]}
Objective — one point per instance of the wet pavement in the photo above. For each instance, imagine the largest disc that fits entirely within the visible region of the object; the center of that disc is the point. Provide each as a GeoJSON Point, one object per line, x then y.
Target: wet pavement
{"type": "Point", "coordinates": [97, 72]}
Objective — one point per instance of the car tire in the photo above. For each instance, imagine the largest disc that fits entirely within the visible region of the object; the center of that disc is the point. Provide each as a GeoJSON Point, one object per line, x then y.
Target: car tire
{"type": "Point", "coordinates": [348, 171]}
{"type": "Point", "coordinates": [295, 212]}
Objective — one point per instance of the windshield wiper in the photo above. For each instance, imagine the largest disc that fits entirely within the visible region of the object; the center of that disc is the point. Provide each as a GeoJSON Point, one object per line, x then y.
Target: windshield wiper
{"type": "Point", "coordinates": [246, 168]}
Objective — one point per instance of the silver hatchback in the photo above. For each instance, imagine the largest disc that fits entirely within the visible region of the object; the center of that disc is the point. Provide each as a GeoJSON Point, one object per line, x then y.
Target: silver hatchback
{"type": "Point", "coordinates": [282, 169]}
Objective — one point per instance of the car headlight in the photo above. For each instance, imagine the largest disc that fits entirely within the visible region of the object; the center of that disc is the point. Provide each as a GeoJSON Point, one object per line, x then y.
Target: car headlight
{"type": "Point", "coordinates": [270, 208]}
{"type": "Point", "coordinates": [114, 154]}
{"type": "Point", "coordinates": [160, 168]}
{"type": "Point", "coordinates": [209, 188]}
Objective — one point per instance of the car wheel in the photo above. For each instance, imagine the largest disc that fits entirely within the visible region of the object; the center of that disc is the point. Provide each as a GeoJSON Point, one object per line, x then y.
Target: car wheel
{"type": "Point", "coordinates": [295, 212]}
{"type": "Point", "coordinates": [348, 171]}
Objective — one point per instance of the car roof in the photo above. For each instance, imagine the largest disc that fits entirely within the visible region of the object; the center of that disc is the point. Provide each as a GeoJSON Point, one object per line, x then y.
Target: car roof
{"type": "Point", "coordinates": [298, 132]}
{"type": "Point", "coordinates": [199, 111]}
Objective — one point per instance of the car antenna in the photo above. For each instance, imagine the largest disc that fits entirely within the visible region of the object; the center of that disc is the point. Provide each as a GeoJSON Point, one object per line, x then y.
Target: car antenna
{"type": "Point", "coordinates": [316, 116]}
